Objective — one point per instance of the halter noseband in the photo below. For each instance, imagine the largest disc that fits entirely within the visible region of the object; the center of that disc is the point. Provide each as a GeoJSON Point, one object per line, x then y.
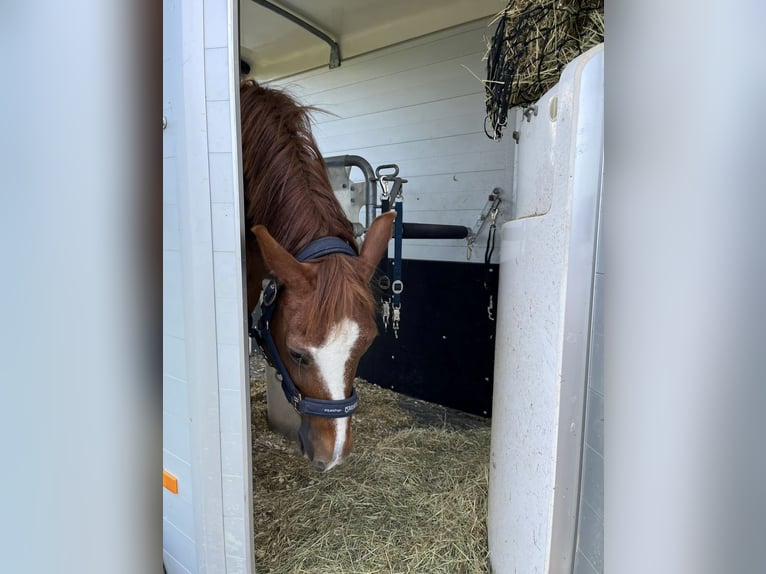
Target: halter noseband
{"type": "Point", "coordinates": [260, 330]}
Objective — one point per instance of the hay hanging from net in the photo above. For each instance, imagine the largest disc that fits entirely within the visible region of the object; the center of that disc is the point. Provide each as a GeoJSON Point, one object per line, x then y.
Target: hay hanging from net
{"type": "Point", "coordinates": [533, 42]}
{"type": "Point", "coordinates": [412, 497]}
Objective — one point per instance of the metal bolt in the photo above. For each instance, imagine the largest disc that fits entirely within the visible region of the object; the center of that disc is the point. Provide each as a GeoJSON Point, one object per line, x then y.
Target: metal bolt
{"type": "Point", "coordinates": [529, 112]}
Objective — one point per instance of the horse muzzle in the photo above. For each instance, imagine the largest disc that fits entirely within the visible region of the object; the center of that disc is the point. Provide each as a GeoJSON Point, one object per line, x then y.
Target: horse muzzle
{"type": "Point", "coordinates": [324, 449]}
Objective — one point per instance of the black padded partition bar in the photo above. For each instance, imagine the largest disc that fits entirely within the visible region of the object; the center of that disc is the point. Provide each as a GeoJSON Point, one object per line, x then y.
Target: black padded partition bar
{"type": "Point", "coordinates": [434, 231]}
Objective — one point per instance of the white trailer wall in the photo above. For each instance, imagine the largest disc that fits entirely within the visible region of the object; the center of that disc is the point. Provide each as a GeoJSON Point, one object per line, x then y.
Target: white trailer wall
{"type": "Point", "coordinates": [544, 336]}
{"type": "Point", "coordinates": [418, 104]}
{"type": "Point", "coordinates": [206, 441]}
{"type": "Point", "coordinates": [589, 557]}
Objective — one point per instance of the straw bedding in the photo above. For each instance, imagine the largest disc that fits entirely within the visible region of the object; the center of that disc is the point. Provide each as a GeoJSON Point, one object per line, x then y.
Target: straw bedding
{"type": "Point", "coordinates": [412, 497]}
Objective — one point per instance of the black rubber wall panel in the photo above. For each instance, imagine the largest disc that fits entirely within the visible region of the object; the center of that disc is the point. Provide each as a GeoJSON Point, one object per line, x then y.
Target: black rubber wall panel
{"type": "Point", "coordinates": [446, 344]}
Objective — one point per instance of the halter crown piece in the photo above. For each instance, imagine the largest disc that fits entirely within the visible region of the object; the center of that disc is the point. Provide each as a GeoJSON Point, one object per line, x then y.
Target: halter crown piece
{"type": "Point", "coordinates": [260, 330]}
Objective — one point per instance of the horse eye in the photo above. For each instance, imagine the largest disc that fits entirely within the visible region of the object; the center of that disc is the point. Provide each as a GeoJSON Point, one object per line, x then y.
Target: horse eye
{"type": "Point", "coordinates": [298, 357]}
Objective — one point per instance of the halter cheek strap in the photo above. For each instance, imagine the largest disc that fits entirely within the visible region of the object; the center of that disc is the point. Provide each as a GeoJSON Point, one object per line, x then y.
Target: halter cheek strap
{"type": "Point", "coordinates": [261, 319]}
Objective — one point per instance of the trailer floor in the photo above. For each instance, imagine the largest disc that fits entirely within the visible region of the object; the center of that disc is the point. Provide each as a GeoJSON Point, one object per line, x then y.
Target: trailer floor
{"type": "Point", "coordinates": [412, 496]}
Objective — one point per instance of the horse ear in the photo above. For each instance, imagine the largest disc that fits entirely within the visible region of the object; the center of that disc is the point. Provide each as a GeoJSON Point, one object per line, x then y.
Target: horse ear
{"type": "Point", "coordinates": [376, 241]}
{"type": "Point", "coordinates": [279, 261]}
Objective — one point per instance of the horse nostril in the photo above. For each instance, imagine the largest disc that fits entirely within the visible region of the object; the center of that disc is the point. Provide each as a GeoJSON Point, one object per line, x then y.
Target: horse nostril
{"type": "Point", "coordinates": [319, 465]}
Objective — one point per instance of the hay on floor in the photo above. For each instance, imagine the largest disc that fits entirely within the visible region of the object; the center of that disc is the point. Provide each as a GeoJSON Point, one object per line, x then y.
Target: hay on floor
{"type": "Point", "coordinates": [412, 497]}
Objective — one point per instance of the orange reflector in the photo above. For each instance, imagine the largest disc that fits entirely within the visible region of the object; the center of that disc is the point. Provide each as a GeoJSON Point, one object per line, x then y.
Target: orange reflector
{"type": "Point", "coordinates": [170, 482]}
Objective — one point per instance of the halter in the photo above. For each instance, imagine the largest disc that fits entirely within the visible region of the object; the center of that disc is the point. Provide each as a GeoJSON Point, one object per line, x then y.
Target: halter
{"type": "Point", "coordinates": [260, 330]}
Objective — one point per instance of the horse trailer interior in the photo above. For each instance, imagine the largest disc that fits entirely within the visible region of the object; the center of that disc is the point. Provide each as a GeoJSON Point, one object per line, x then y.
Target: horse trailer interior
{"type": "Point", "coordinates": [500, 314]}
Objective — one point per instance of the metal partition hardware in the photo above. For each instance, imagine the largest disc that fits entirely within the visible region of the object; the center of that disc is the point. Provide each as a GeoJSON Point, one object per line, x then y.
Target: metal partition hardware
{"type": "Point", "coordinates": [490, 210]}
{"type": "Point", "coordinates": [351, 195]}
{"type": "Point", "coordinates": [303, 23]}
{"type": "Point", "coordinates": [370, 181]}
{"type": "Point", "coordinates": [493, 203]}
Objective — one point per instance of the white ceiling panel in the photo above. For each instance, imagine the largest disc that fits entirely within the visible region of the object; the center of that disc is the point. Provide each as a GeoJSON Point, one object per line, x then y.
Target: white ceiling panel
{"type": "Point", "coordinates": [275, 47]}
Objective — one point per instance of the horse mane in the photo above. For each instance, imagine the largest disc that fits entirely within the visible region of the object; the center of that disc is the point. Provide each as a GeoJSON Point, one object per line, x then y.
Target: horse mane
{"type": "Point", "coordinates": [287, 190]}
{"type": "Point", "coordinates": [285, 178]}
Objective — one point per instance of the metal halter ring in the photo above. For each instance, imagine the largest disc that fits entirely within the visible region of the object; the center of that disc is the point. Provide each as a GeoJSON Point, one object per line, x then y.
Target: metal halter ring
{"type": "Point", "coordinates": [270, 293]}
{"type": "Point", "coordinates": [397, 287]}
{"type": "Point", "coordinates": [384, 282]}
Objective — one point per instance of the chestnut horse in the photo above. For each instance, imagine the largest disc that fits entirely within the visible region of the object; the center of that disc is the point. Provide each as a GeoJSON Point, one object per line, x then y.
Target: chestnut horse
{"type": "Point", "coordinates": [324, 319]}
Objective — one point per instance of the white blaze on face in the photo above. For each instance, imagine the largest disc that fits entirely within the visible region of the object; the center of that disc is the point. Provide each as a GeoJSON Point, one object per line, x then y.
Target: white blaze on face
{"type": "Point", "coordinates": [331, 359]}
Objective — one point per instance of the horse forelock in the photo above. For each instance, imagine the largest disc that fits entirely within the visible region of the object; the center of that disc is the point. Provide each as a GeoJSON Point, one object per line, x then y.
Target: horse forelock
{"type": "Point", "coordinates": [287, 188]}
{"type": "Point", "coordinates": [341, 292]}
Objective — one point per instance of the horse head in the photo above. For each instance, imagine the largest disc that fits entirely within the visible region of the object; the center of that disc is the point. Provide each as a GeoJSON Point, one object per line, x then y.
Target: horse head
{"type": "Point", "coordinates": [323, 323]}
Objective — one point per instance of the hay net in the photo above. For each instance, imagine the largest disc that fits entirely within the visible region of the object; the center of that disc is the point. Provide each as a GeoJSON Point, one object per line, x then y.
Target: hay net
{"type": "Point", "coordinates": [534, 40]}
